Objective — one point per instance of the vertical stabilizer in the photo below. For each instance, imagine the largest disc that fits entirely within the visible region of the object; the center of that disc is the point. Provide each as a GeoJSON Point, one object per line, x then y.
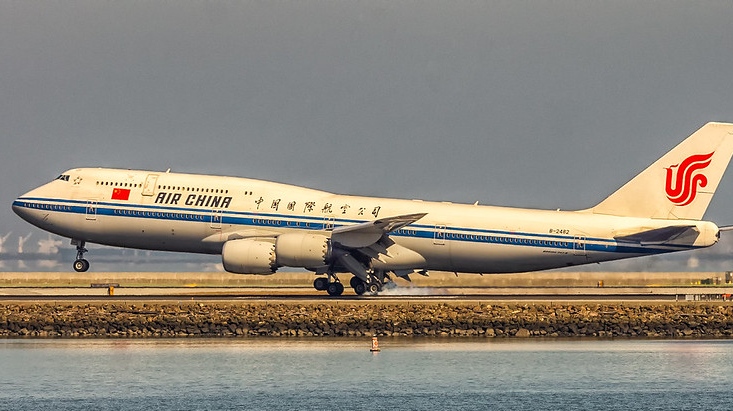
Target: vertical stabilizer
{"type": "Point", "coordinates": [679, 185]}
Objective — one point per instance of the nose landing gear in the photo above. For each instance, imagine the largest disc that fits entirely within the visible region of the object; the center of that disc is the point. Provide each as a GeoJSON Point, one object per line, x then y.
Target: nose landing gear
{"type": "Point", "coordinates": [80, 265]}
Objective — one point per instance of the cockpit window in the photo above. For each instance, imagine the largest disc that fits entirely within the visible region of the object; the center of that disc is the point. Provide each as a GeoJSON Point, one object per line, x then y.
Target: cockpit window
{"type": "Point", "coordinates": [64, 177]}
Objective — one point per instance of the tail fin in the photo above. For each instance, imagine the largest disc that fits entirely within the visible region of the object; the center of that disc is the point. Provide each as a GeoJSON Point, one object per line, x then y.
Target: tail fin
{"type": "Point", "coordinates": [679, 185]}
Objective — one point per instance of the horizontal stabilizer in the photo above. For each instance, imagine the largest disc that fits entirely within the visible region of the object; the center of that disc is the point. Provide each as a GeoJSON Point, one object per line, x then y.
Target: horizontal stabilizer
{"type": "Point", "coordinates": [660, 236]}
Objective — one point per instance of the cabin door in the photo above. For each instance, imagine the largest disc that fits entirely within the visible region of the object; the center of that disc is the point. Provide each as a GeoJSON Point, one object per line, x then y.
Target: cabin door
{"type": "Point", "coordinates": [579, 245]}
{"type": "Point", "coordinates": [91, 210]}
{"type": "Point", "coordinates": [216, 219]}
{"type": "Point", "coordinates": [328, 222]}
{"type": "Point", "coordinates": [439, 237]}
{"type": "Point", "coordinates": [149, 185]}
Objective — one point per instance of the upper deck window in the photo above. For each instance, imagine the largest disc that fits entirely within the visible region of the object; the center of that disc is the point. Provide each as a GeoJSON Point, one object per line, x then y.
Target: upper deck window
{"type": "Point", "coordinates": [63, 177]}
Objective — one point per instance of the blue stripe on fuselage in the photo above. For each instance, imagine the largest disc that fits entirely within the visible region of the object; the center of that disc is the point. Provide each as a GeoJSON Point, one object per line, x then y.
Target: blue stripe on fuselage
{"type": "Point", "coordinates": [415, 230]}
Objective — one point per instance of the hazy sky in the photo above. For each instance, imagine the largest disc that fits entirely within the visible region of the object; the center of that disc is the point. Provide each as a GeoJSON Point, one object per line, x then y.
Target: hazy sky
{"type": "Point", "coordinates": [548, 104]}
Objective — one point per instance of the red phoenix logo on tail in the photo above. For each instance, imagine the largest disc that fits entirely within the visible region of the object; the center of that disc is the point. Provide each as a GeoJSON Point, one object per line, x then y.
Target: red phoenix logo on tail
{"type": "Point", "coordinates": [682, 188]}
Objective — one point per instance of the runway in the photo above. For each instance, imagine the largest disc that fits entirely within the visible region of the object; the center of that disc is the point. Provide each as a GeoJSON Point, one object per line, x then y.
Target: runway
{"type": "Point", "coordinates": [297, 287]}
{"type": "Point", "coordinates": [303, 298]}
{"type": "Point", "coordinates": [302, 294]}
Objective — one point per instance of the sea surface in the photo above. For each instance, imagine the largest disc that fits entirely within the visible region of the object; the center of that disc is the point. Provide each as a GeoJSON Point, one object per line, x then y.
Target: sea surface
{"type": "Point", "coordinates": [330, 374]}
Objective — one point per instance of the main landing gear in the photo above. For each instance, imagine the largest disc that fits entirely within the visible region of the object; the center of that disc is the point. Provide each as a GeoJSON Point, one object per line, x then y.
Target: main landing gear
{"type": "Point", "coordinates": [80, 265]}
{"type": "Point", "coordinates": [361, 287]}
{"type": "Point", "coordinates": [377, 280]}
{"type": "Point", "coordinates": [330, 284]}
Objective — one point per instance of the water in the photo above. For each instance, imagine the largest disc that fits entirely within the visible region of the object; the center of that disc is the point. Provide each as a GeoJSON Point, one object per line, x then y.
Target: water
{"type": "Point", "coordinates": [285, 374]}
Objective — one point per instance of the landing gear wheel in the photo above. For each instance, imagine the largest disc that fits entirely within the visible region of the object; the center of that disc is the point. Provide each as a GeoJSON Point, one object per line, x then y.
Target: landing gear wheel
{"type": "Point", "coordinates": [335, 289]}
{"type": "Point", "coordinates": [354, 281]}
{"type": "Point", "coordinates": [359, 288]}
{"type": "Point", "coordinates": [81, 265]}
{"type": "Point", "coordinates": [373, 288]}
{"type": "Point", "coordinates": [320, 284]}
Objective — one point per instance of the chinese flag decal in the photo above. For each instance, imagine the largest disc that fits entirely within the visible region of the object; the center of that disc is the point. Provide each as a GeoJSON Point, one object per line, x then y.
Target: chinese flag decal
{"type": "Point", "coordinates": [121, 194]}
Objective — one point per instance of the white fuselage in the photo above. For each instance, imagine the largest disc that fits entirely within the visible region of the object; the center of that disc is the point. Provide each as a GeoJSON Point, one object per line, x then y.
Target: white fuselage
{"type": "Point", "coordinates": [199, 213]}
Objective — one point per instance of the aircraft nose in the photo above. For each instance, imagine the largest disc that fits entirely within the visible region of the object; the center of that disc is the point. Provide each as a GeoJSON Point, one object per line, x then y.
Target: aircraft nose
{"type": "Point", "coordinates": [22, 207]}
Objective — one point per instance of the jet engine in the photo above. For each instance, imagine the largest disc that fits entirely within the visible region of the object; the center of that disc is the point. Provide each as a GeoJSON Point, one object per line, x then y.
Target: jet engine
{"type": "Point", "coordinates": [303, 250]}
{"type": "Point", "coordinates": [258, 256]}
{"type": "Point", "coordinates": [249, 256]}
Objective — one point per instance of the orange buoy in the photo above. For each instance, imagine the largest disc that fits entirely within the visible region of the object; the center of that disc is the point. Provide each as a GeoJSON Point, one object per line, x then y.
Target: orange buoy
{"type": "Point", "coordinates": [375, 345]}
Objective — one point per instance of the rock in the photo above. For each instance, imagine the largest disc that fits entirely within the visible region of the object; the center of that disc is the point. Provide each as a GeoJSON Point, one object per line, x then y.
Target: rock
{"type": "Point", "coordinates": [418, 320]}
{"type": "Point", "coordinates": [522, 333]}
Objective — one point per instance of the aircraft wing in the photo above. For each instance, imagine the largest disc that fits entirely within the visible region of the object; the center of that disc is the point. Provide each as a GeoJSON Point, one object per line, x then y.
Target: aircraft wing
{"type": "Point", "coordinates": [368, 233]}
{"type": "Point", "coordinates": [354, 243]}
{"type": "Point", "coordinates": [370, 239]}
{"type": "Point", "coordinates": [660, 236]}
{"type": "Point", "coordinates": [350, 236]}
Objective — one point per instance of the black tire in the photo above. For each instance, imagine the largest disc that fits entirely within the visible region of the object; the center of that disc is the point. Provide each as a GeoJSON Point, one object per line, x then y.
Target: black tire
{"type": "Point", "coordinates": [81, 265]}
{"type": "Point", "coordinates": [354, 281]}
{"type": "Point", "coordinates": [320, 283]}
{"type": "Point", "coordinates": [373, 288]}
{"type": "Point", "coordinates": [335, 289]}
{"type": "Point", "coordinates": [360, 287]}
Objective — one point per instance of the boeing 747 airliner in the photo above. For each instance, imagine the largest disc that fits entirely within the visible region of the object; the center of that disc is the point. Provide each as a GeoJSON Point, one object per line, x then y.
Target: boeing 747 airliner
{"type": "Point", "coordinates": [259, 226]}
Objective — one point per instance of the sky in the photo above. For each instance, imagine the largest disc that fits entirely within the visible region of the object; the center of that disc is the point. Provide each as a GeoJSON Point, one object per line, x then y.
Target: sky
{"type": "Point", "coordinates": [542, 104]}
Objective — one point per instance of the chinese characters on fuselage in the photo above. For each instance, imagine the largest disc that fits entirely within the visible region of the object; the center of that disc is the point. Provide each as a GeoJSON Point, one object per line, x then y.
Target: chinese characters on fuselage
{"type": "Point", "coordinates": [218, 201]}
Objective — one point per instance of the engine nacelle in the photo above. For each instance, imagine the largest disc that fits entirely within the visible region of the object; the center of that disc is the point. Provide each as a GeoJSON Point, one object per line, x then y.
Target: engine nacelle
{"type": "Point", "coordinates": [302, 250]}
{"type": "Point", "coordinates": [249, 256]}
{"type": "Point", "coordinates": [399, 258]}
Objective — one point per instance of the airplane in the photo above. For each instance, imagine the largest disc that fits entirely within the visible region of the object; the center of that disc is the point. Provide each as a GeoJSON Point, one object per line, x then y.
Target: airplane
{"type": "Point", "coordinates": [259, 226]}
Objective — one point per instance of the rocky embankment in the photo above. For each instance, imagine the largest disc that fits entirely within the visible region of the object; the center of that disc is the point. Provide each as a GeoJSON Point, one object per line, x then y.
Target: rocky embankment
{"type": "Point", "coordinates": [680, 320]}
